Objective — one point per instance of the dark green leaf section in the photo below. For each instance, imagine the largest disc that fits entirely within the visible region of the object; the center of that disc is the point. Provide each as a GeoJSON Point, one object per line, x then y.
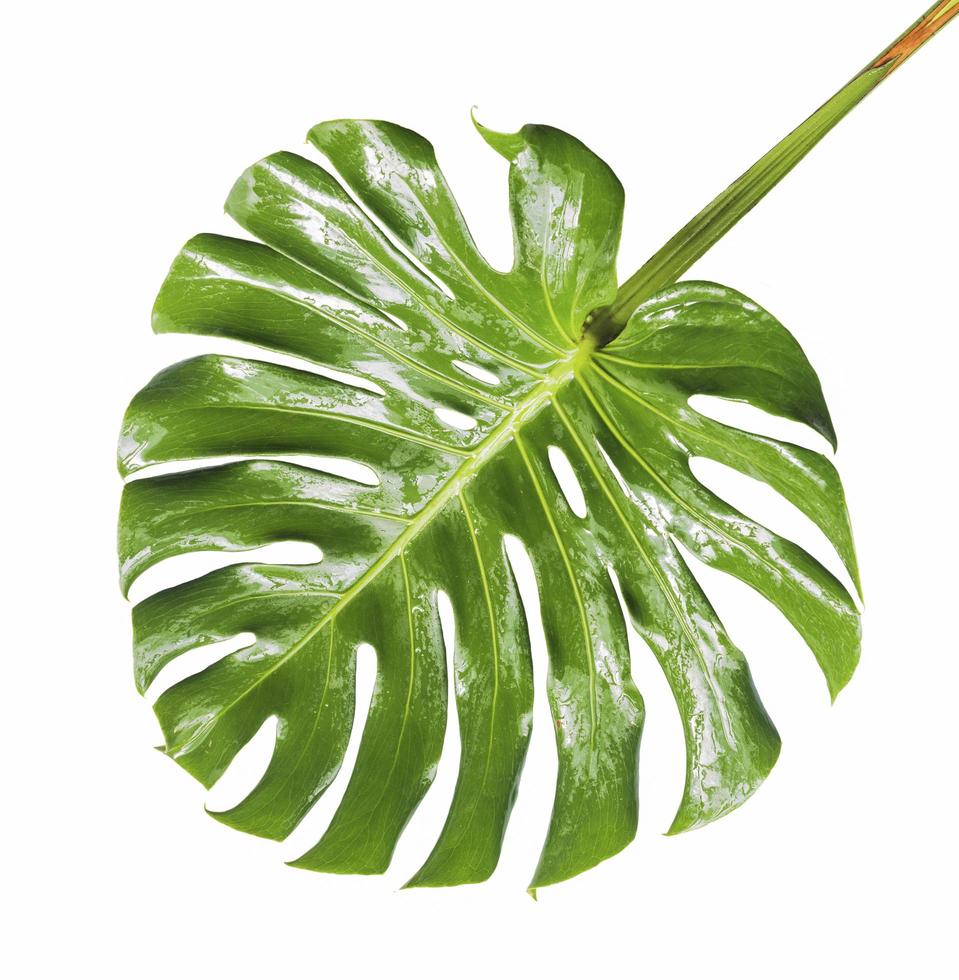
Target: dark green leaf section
{"type": "Point", "coordinates": [394, 338]}
{"type": "Point", "coordinates": [228, 287]}
{"type": "Point", "coordinates": [247, 505]}
{"type": "Point", "coordinates": [710, 340]}
{"type": "Point", "coordinates": [566, 207]}
{"type": "Point", "coordinates": [492, 674]}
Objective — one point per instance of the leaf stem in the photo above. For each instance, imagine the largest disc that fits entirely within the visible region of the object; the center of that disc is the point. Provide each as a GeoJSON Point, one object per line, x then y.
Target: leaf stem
{"type": "Point", "coordinates": [700, 234]}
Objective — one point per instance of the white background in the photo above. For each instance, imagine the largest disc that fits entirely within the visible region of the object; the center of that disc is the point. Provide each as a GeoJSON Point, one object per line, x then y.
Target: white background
{"type": "Point", "coordinates": [125, 126]}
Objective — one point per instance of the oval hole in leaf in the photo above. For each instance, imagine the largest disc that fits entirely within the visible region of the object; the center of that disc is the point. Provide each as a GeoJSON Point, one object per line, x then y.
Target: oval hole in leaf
{"type": "Point", "coordinates": [566, 478]}
{"type": "Point", "coordinates": [246, 769]}
{"type": "Point", "coordinates": [185, 568]}
{"type": "Point", "coordinates": [454, 419]}
{"type": "Point", "coordinates": [476, 372]}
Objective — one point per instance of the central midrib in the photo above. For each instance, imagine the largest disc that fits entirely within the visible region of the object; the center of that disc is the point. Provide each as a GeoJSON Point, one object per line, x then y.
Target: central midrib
{"type": "Point", "coordinates": [559, 375]}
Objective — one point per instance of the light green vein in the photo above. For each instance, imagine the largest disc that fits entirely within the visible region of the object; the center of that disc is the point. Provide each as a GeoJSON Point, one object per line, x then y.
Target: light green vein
{"type": "Point", "coordinates": [667, 592]}
{"type": "Point", "coordinates": [484, 291]}
{"type": "Point", "coordinates": [494, 441]}
{"type": "Point", "coordinates": [401, 434]}
{"type": "Point", "coordinates": [587, 635]}
{"type": "Point", "coordinates": [498, 355]}
{"type": "Point", "coordinates": [494, 640]}
{"type": "Point", "coordinates": [705, 520]}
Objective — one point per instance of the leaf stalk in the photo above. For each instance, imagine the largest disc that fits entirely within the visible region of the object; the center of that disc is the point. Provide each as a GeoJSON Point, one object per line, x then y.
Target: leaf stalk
{"type": "Point", "coordinates": [699, 235]}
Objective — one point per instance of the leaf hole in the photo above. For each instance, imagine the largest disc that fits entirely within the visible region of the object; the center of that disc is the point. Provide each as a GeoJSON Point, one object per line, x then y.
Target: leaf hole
{"type": "Point", "coordinates": [395, 320]}
{"type": "Point", "coordinates": [387, 233]}
{"type": "Point", "coordinates": [663, 745]}
{"type": "Point", "coordinates": [447, 623]}
{"type": "Point", "coordinates": [194, 661]}
{"type": "Point", "coordinates": [742, 415]}
{"type": "Point", "coordinates": [783, 668]}
{"type": "Point", "coordinates": [190, 345]}
{"type": "Point", "coordinates": [761, 503]}
{"type": "Point", "coordinates": [454, 419]}
{"type": "Point", "coordinates": [245, 770]}
{"type": "Point", "coordinates": [476, 372]}
{"type": "Point", "coordinates": [530, 817]}
{"type": "Point", "coordinates": [568, 483]}
{"type": "Point", "coordinates": [312, 827]}
{"type": "Point", "coordinates": [347, 468]}
{"type": "Point", "coordinates": [480, 177]}
{"type": "Point", "coordinates": [426, 823]}
{"type": "Point", "coordinates": [185, 568]}
{"type": "Point", "coordinates": [614, 469]}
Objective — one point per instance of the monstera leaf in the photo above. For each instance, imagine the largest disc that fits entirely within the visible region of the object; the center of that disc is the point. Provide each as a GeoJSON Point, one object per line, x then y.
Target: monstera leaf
{"type": "Point", "coordinates": [465, 390]}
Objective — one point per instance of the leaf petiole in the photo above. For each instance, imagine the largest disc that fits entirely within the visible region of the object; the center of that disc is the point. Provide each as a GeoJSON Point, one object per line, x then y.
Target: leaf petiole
{"type": "Point", "coordinates": [695, 238]}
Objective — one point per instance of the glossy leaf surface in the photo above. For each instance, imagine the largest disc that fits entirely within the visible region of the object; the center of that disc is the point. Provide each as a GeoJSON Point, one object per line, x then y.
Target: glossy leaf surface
{"type": "Point", "coordinates": [455, 383]}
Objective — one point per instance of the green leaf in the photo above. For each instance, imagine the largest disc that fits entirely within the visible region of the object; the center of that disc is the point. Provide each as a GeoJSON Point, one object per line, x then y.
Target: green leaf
{"type": "Point", "coordinates": [382, 283]}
